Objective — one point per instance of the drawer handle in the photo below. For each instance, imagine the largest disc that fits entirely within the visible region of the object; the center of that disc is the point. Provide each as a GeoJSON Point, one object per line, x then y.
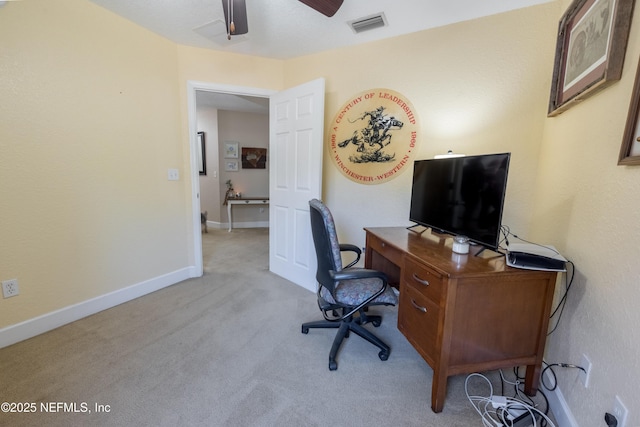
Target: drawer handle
{"type": "Point", "coordinates": [422, 309]}
{"type": "Point", "coordinates": [419, 280]}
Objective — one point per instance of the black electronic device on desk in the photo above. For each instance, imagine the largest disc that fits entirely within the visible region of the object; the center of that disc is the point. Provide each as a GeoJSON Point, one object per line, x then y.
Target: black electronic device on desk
{"type": "Point", "coordinates": [530, 256]}
{"type": "Point", "coordinates": [461, 196]}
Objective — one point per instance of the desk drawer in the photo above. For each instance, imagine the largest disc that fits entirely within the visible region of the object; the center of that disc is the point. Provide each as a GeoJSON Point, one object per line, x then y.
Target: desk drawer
{"type": "Point", "coordinates": [424, 280]}
{"type": "Point", "coordinates": [418, 320]}
{"type": "Point", "coordinates": [389, 252]}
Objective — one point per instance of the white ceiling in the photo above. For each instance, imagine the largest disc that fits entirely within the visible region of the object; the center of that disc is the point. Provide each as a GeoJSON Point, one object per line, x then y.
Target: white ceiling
{"type": "Point", "coordinates": [285, 29]}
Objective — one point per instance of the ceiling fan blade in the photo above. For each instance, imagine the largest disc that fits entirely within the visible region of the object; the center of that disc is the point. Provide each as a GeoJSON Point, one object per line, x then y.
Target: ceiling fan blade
{"type": "Point", "coordinates": [239, 9]}
{"type": "Point", "coordinates": [326, 7]}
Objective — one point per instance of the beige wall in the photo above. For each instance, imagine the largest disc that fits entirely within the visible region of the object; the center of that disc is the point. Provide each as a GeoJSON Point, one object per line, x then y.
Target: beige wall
{"type": "Point", "coordinates": [588, 206]}
{"type": "Point", "coordinates": [94, 112]}
{"type": "Point", "coordinates": [93, 115]}
{"type": "Point", "coordinates": [89, 126]}
{"type": "Point", "coordinates": [478, 87]}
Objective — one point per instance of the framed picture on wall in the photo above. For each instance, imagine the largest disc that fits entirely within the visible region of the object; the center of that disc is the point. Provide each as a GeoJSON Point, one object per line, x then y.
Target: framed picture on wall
{"type": "Point", "coordinates": [231, 165]}
{"type": "Point", "coordinates": [590, 50]}
{"type": "Point", "coordinates": [202, 159]}
{"type": "Point", "coordinates": [254, 158]}
{"type": "Point", "coordinates": [630, 149]}
{"type": "Point", "coordinates": [230, 150]}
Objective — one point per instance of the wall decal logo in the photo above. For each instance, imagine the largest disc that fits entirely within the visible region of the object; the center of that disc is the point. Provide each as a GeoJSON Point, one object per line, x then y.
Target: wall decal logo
{"type": "Point", "coordinates": [374, 136]}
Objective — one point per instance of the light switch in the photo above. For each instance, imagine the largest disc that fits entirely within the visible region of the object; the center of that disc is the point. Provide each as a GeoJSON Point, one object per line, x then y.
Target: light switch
{"type": "Point", "coordinates": [173, 175]}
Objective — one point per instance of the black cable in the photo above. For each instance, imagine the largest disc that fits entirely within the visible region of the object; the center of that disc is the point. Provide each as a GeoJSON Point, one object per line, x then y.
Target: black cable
{"type": "Point", "coordinates": [563, 301]}
{"type": "Point", "coordinates": [567, 287]}
{"type": "Point", "coordinates": [549, 368]}
{"type": "Point", "coordinates": [553, 375]}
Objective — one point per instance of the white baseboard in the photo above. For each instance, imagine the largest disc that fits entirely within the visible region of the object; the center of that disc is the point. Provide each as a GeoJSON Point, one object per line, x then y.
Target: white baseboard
{"type": "Point", "coordinates": [47, 322]}
{"type": "Point", "coordinates": [249, 224]}
{"type": "Point", "coordinates": [558, 405]}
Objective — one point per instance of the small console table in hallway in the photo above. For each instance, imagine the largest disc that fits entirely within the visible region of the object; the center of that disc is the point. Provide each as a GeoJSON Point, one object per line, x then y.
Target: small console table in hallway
{"type": "Point", "coordinates": [463, 313]}
{"type": "Point", "coordinates": [244, 201]}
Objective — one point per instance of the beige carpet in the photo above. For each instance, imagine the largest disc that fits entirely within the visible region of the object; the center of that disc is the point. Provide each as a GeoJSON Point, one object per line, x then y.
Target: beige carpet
{"type": "Point", "coordinates": [222, 350]}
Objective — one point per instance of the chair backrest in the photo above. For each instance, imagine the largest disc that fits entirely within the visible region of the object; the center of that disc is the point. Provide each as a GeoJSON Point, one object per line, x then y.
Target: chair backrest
{"type": "Point", "coordinates": [325, 241]}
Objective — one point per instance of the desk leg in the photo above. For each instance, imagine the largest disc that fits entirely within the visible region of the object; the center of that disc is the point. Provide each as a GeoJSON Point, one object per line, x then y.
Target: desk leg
{"type": "Point", "coordinates": [438, 391]}
{"type": "Point", "coordinates": [229, 216]}
{"type": "Point", "coordinates": [532, 379]}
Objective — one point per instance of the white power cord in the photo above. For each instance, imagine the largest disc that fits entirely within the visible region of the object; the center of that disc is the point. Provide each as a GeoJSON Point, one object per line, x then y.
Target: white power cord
{"type": "Point", "coordinates": [501, 411]}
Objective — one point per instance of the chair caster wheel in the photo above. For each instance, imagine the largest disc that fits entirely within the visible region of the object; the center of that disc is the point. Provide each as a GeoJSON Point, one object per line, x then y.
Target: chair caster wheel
{"type": "Point", "coordinates": [383, 355]}
{"type": "Point", "coordinates": [376, 323]}
{"type": "Point", "coordinates": [305, 330]}
{"type": "Point", "coordinates": [333, 365]}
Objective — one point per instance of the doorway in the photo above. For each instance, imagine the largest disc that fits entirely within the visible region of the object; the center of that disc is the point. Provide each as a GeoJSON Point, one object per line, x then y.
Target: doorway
{"type": "Point", "coordinates": [222, 93]}
{"type": "Point", "coordinates": [242, 122]}
{"type": "Point", "coordinates": [296, 126]}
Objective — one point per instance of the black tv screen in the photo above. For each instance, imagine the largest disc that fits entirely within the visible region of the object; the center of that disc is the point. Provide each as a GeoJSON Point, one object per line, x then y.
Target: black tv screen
{"type": "Point", "coordinates": [461, 196]}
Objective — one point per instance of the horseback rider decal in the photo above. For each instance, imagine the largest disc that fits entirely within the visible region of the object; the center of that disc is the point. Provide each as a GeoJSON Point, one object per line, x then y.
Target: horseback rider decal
{"type": "Point", "coordinates": [373, 136]}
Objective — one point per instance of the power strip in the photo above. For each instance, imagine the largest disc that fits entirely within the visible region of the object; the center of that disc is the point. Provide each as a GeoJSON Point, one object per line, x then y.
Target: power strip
{"type": "Point", "coordinates": [519, 417]}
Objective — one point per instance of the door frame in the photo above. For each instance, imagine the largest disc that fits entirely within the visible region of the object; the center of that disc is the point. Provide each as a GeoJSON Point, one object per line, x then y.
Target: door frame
{"type": "Point", "coordinates": [194, 174]}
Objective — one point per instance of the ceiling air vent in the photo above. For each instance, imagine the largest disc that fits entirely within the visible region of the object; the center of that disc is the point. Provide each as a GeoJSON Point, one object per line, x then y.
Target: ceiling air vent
{"type": "Point", "coordinates": [368, 23]}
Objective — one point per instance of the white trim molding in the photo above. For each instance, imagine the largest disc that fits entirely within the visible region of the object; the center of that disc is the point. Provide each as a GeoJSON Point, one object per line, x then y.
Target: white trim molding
{"type": "Point", "coordinates": [558, 405]}
{"type": "Point", "coordinates": [47, 322]}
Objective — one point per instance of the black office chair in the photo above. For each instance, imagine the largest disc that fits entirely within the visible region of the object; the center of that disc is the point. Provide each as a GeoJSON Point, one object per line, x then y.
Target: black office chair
{"type": "Point", "coordinates": [344, 294]}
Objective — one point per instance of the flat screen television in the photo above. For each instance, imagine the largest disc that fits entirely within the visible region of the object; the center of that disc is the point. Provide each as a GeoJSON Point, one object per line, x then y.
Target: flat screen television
{"type": "Point", "coordinates": [462, 196]}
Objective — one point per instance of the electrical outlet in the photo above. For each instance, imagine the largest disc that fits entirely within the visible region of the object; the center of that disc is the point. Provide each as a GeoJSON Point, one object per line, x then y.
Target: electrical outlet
{"type": "Point", "coordinates": [620, 412]}
{"type": "Point", "coordinates": [173, 175]}
{"type": "Point", "coordinates": [586, 374]}
{"type": "Point", "coordinates": [10, 288]}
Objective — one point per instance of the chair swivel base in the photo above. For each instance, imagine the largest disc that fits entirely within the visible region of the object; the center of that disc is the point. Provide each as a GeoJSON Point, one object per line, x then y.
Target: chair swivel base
{"type": "Point", "coordinates": [344, 328]}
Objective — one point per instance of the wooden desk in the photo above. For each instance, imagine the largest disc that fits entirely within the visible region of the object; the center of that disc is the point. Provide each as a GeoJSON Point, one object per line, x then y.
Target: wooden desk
{"type": "Point", "coordinates": [464, 313]}
{"type": "Point", "coordinates": [244, 201]}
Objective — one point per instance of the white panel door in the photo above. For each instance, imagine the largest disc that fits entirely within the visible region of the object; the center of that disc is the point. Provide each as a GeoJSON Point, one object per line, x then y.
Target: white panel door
{"type": "Point", "coordinates": [296, 133]}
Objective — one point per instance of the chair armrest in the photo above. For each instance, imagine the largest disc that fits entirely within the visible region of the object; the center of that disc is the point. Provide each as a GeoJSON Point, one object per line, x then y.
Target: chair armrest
{"type": "Point", "coordinates": [350, 247]}
{"type": "Point", "coordinates": [357, 273]}
{"type": "Point", "coordinates": [347, 247]}
{"type": "Point", "coordinates": [360, 273]}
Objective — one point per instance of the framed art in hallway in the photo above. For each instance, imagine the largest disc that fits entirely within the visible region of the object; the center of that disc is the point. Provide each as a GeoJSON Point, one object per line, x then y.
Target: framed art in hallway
{"type": "Point", "coordinates": [630, 149]}
{"type": "Point", "coordinates": [231, 165]}
{"type": "Point", "coordinates": [230, 150]}
{"type": "Point", "coordinates": [201, 154]}
{"type": "Point", "coordinates": [590, 50]}
{"type": "Point", "coordinates": [254, 158]}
